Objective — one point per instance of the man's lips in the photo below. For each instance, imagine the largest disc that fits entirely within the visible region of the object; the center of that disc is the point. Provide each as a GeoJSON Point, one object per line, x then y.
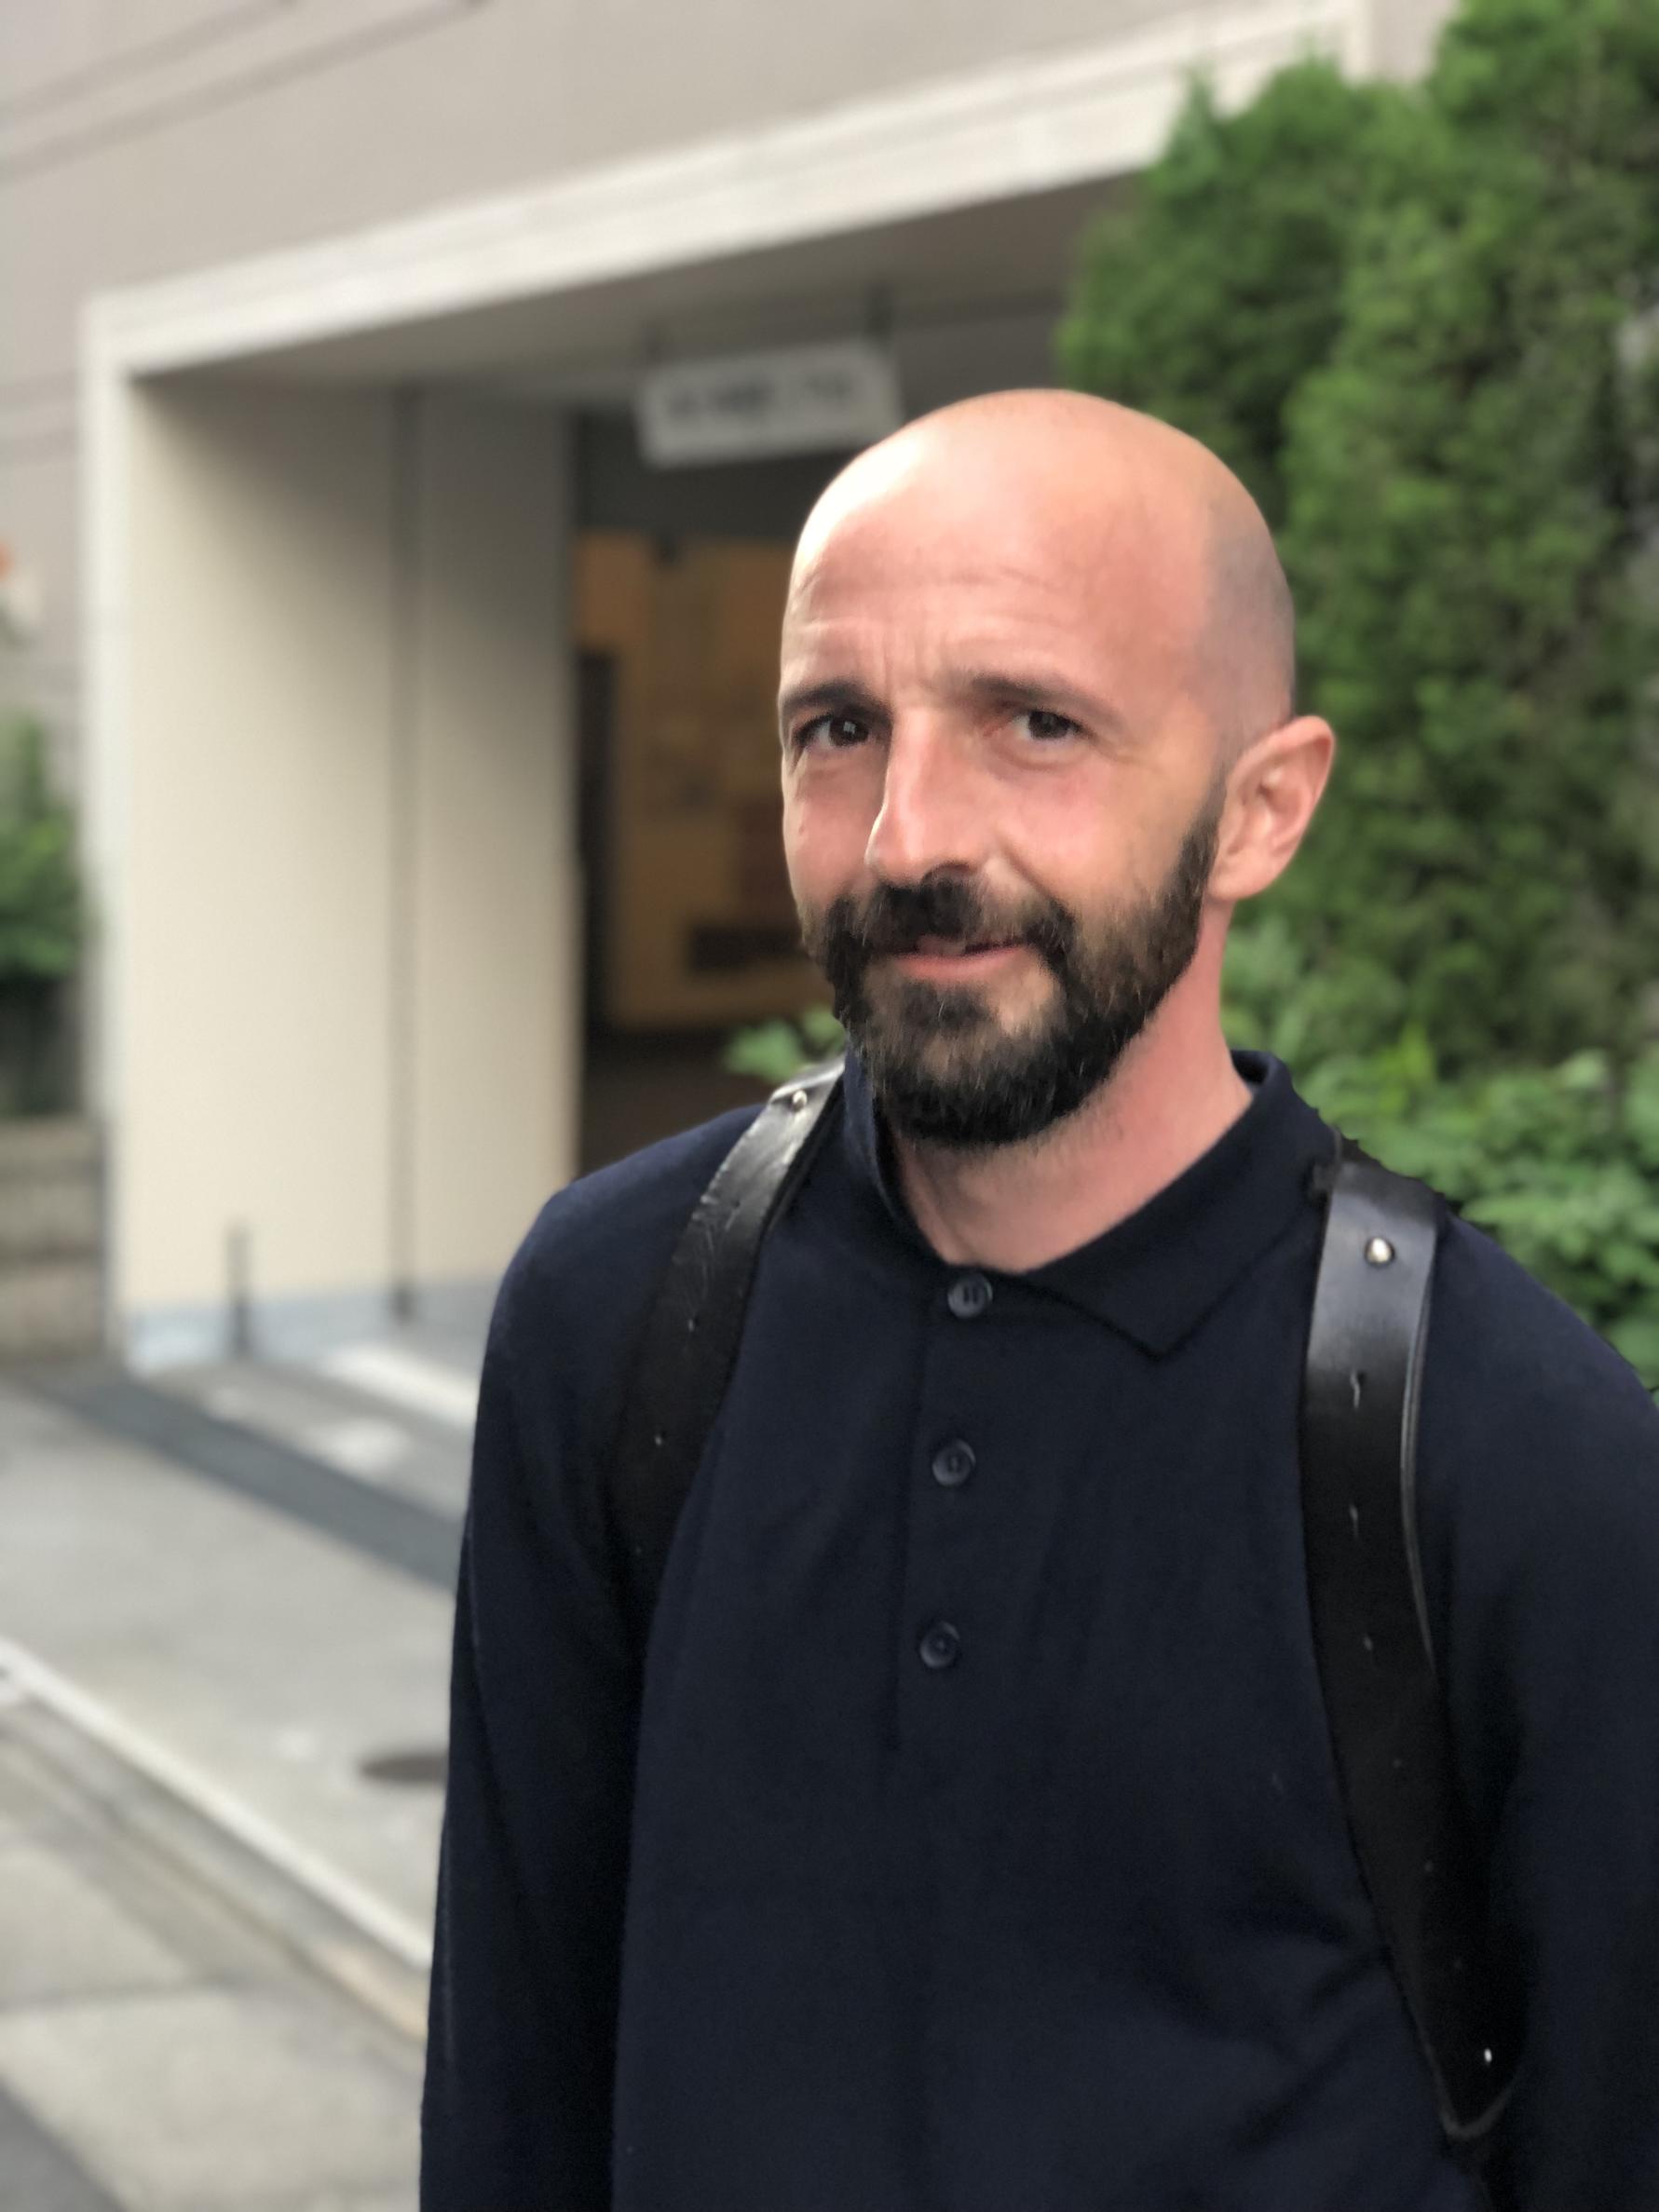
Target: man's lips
{"type": "Point", "coordinates": [947, 960]}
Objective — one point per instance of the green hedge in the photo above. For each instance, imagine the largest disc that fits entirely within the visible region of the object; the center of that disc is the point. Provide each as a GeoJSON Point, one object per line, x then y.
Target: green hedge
{"type": "Point", "coordinates": [43, 925]}
{"type": "Point", "coordinates": [1423, 325]}
{"type": "Point", "coordinates": [1419, 324]}
{"type": "Point", "coordinates": [1560, 1164]}
{"type": "Point", "coordinates": [42, 911]}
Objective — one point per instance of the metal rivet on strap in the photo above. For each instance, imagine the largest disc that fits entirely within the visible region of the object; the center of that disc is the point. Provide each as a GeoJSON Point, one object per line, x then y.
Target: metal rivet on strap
{"type": "Point", "coordinates": [1379, 1251]}
{"type": "Point", "coordinates": [798, 1101]}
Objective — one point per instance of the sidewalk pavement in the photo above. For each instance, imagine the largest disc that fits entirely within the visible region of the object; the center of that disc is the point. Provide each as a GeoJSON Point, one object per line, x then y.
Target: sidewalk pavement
{"type": "Point", "coordinates": [213, 1916]}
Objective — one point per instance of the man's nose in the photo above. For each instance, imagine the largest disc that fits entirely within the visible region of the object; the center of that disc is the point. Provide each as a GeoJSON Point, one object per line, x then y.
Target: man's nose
{"type": "Point", "coordinates": [931, 816]}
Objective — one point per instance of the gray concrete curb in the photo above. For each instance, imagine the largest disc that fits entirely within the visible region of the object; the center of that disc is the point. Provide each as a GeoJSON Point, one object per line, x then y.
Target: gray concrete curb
{"type": "Point", "coordinates": [321, 1921]}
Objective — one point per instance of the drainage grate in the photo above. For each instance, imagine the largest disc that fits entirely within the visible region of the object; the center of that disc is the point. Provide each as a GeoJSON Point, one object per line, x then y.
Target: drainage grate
{"type": "Point", "coordinates": [424, 1767]}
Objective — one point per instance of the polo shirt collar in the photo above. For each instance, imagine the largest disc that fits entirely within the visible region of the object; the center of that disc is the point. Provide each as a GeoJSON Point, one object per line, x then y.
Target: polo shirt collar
{"type": "Point", "coordinates": [1154, 1276]}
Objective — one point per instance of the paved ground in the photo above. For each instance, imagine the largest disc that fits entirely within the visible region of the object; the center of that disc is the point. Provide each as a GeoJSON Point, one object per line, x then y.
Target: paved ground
{"type": "Point", "coordinates": [159, 2050]}
{"type": "Point", "coordinates": [224, 1618]}
{"type": "Point", "coordinates": [213, 1914]}
{"type": "Point", "coordinates": [268, 1659]}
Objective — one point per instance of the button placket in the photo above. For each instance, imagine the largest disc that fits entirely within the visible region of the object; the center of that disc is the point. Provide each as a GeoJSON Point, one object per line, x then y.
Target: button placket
{"type": "Point", "coordinates": [945, 1562]}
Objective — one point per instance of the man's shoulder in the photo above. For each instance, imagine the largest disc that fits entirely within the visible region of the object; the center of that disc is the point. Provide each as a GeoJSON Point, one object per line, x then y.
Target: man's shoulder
{"type": "Point", "coordinates": [574, 1297]}
{"type": "Point", "coordinates": [1517, 1343]}
{"type": "Point", "coordinates": [607, 1236]}
{"type": "Point", "coordinates": [1527, 1412]}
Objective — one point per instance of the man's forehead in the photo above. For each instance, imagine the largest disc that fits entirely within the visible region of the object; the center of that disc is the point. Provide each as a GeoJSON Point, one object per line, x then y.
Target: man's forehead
{"type": "Point", "coordinates": [1002, 497]}
{"type": "Point", "coordinates": [1116, 528]}
{"type": "Point", "coordinates": [1003, 566]}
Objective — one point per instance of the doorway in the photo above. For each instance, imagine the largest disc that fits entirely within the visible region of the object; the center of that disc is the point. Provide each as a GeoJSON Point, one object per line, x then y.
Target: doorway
{"type": "Point", "coordinates": [692, 930]}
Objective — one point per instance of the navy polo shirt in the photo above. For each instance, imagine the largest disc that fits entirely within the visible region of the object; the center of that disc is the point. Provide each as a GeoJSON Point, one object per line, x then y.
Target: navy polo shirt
{"type": "Point", "coordinates": [977, 1846]}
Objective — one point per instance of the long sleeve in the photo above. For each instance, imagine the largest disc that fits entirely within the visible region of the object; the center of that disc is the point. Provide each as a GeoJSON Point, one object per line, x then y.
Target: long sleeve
{"type": "Point", "coordinates": [1549, 1591]}
{"type": "Point", "coordinates": [1576, 1856]}
{"type": "Point", "coordinates": [520, 2061]}
{"type": "Point", "coordinates": [521, 2058]}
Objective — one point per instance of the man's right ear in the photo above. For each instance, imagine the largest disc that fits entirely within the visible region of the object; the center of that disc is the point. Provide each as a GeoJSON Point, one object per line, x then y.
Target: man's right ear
{"type": "Point", "coordinates": [1271, 793]}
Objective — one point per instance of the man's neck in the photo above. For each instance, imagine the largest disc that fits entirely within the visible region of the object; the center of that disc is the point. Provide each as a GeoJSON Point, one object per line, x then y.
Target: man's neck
{"type": "Point", "coordinates": [1018, 1206]}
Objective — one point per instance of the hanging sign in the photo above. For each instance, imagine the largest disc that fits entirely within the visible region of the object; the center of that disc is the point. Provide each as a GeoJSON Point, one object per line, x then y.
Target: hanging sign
{"type": "Point", "coordinates": [807, 399]}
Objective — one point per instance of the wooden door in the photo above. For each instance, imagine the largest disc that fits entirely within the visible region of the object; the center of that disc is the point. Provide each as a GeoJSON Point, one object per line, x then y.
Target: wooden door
{"type": "Point", "coordinates": [700, 927]}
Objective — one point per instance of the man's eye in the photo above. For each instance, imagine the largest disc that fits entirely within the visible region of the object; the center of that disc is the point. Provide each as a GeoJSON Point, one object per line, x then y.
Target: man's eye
{"type": "Point", "coordinates": [836, 731]}
{"type": "Point", "coordinates": [1045, 726]}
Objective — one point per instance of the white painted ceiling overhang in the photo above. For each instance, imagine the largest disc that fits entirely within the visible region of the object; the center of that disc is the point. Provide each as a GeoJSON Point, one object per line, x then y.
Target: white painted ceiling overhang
{"type": "Point", "coordinates": [956, 190]}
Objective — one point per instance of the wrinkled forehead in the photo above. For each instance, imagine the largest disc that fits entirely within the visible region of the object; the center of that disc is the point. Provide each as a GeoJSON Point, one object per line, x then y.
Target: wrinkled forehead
{"type": "Point", "coordinates": [998, 549]}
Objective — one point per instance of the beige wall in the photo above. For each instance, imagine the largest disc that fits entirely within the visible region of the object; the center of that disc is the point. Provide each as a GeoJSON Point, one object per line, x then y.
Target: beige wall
{"type": "Point", "coordinates": [344, 958]}
{"type": "Point", "coordinates": [495, 950]}
{"type": "Point", "coordinates": [255, 932]}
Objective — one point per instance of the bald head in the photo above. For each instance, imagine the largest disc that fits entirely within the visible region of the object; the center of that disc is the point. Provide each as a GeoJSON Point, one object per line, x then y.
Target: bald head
{"type": "Point", "coordinates": [1122, 501]}
{"type": "Point", "coordinates": [1038, 742]}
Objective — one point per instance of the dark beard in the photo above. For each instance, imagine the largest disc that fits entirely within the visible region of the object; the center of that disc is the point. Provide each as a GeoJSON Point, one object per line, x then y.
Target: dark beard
{"type": "Point", "coordinates": [939, 1062]}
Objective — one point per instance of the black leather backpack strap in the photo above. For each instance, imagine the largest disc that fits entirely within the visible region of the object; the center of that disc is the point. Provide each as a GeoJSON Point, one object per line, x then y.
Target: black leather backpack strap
{"type": "Point", "coordinates": [690, 1342]}
{"type": "Point", "coordinates": [1371, 1632]}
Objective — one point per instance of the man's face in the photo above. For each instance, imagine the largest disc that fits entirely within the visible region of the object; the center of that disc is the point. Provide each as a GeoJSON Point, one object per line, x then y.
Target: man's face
{"type": "Point", "coordinates": [1001, 802]}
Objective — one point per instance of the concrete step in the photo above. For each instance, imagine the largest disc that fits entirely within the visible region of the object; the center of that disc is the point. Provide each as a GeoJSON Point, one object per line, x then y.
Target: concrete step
{"type": "Point", "coordinates": [51, 1308]}
{"type": "Point", "coordinates": [56, 1214]}
{"type": "Point", "coordinates": [51, 1240]}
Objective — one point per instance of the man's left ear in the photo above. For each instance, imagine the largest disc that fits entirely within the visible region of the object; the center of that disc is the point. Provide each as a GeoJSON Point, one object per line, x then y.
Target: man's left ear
{"type": "Point", "coordinates": [1271, 793]}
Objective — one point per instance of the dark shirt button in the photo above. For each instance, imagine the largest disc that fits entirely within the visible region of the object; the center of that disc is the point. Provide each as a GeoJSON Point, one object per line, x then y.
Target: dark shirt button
{"type": "Point", "coordinates": [941, 1646]}
{"type": "Point", "coordinates": [968, 1297]}
{"type": "Point", "coordinates": [953, 1463]}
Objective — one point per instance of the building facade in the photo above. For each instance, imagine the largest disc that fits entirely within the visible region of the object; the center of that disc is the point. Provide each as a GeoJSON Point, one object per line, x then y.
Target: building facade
{"type": "Point", "coordinates": [419, 723]}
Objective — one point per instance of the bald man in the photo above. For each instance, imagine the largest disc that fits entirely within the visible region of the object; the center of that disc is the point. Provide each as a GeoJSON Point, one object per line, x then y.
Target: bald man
{"type": "Point", "coordinates": [967, 1838]}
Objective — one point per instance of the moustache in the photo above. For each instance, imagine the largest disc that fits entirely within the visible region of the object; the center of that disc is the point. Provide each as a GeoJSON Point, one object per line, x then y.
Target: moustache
{"type": "Point", "coordinates": [897, 918]}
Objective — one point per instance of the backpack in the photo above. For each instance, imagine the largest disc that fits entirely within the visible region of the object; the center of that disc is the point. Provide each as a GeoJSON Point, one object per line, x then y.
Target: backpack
{"type": "Point", "coordinates": [1371, 1635]}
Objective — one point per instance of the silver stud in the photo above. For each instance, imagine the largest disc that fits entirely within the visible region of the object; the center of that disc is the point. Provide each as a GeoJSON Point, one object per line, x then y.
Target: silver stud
{"type": "Point", "coordinates": [797, 1102]}
{"type": "Point", "coordinates": [1379, 1251]}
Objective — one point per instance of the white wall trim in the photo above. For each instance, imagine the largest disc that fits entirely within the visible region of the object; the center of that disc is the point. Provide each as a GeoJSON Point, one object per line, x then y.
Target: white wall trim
{"type": "Point", "coordinates": [1028, 124]}
{"type": "Point", "coordinates": [107, 400]}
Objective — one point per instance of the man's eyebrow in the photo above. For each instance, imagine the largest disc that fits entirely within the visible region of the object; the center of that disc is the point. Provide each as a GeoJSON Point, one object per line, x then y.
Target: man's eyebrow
{"type": "Point", "coordinates": [1036, 687]}
{"type": "Point", "coordinates": [833, 691]}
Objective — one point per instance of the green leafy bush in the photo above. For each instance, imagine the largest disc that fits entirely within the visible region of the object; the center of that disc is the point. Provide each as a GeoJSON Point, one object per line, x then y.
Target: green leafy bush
{"type": "Point", "coordinates": [42, 916]}
{"type": "Point", "coordinates": [1560, 1164]}
{"type": "Point", "coordinates": [1211, 295]}
{"type": "Point", "coordinates": [1463, 533]}
{"type": "Point", "coordinates": [1408, 318]}
{"type": "Point", "coordinates": [42, 924]}
{"type": "Point", "coordinates": [772, 1051]}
